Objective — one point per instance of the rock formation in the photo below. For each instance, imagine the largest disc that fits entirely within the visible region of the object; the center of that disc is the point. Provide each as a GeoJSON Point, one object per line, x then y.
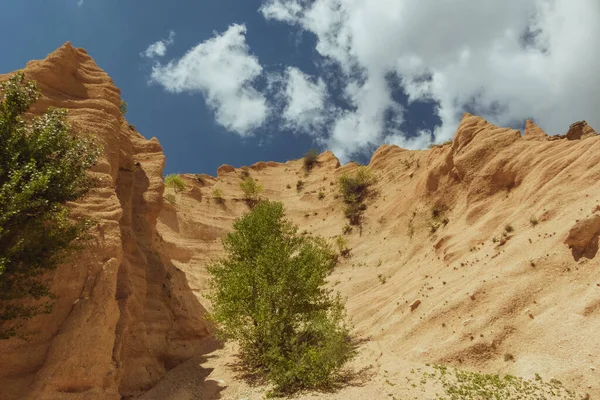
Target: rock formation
{"type": "Point", "coordinates": [124, 315]}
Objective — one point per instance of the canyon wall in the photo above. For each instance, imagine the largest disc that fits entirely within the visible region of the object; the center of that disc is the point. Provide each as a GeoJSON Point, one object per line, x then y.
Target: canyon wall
{"type": "Point", "coordinates": [123, 314]}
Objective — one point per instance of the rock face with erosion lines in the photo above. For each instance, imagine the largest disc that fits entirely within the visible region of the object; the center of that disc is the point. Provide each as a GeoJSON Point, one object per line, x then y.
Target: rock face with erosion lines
{"type": "Point", "coordinates": [124, 315]}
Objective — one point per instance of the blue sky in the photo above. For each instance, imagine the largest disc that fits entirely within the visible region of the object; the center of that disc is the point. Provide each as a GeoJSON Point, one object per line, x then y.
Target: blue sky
{"type": "Point", "coordinates": [235, 82]}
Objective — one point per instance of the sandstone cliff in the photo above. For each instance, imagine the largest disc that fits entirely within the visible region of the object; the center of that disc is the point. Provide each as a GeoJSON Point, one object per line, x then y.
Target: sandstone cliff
{"type": "Point", "coordinates": [492, 239]}
{"type": "Point", "coordinates": [472, 251]}
{"type": "Point", "coordinates": [124, 315]}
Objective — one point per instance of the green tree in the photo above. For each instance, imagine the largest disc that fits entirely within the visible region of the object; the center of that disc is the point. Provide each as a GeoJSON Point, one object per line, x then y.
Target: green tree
{"type": "Point", "coordinates": [42, 166]}
{"type": "Point", "coordinates": [268, 295]}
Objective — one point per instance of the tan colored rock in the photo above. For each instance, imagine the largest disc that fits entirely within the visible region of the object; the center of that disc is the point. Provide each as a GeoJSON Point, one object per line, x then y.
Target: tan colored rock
{"type": "Point", "coordinates": [534, 132]}
{"type": "Point", "coordinates": [118, 324]}
{"type": "Point", "coordinates": [413, 306]}
{"type": "Point", "coordinates": [583, 234]}
{"type": "Point", "coordinates": [580, 130]}
{"type": "Point", "coordinates": [224, 169]}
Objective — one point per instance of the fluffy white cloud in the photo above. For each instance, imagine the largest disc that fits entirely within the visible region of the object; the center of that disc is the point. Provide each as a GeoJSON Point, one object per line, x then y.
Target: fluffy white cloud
{"type": "Point", "coordinates": [159, 49]}
{"type": "Point", "coordinates": [305, 102]}
{"type": "Point", "coordinates": [223, 70]}
{"type": "Point", "coordinates": [506, 61]}
{"type": "Point", "coordinates": [287, 11]}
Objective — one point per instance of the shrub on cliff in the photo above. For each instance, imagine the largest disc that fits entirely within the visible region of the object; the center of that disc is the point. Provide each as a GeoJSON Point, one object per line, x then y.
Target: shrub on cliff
{"type": "Point", "coordinates": [269, 296]}
{"type": "Point", "coordinates": [174, 181]}
{"type": "Point", "coordinates": [355, 190]}
{"type": "Point", "coordinates": [310, 159]}
{"type": "Point", "coordinates": [123, 107]}
{"type": "Point", "coordinates": [42, 166]}
{"type": "Point", "coordinates": [252, 190]}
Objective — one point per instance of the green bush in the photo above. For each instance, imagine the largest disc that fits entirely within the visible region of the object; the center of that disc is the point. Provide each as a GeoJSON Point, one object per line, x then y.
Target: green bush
{"type": "Point", "coordinates": [123, 107]}
{"type": "Point", "coordinates": [268, 295]}
{"type": "Point", "coordinates": [174, 181]}
{"type": "Point", "coordinates": [252, 190]}
{"type": "Point", "coordinates": [310, 159]}
{"type": "Point", "coordinates": [42, 166]}
{"type": "Point", "coordinates": [355, 190]}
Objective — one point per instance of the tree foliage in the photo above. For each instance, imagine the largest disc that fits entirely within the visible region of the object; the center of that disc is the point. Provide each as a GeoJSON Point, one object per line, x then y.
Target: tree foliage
{"type": "Point", "coordinates": [42, 166]}
{"type": "Point", "coordinates": [268, 295]}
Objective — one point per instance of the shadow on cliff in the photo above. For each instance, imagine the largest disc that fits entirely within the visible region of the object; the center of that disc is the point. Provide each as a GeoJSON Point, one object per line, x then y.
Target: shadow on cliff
{"type": "Point", "coordinates": [158, 310]}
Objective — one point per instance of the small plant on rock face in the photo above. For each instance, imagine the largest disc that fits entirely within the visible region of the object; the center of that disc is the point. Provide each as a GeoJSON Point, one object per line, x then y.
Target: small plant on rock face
{"type": "Point", "coordinates": [310, 159]}
{"type": "Point", "coordinates": [460, 384]}
{"type": "Point", "coordinates": [347, 229]}
{"type": "Point", "coordinates": [174, 181]}
{"type": "Point", "coordinates": [533, 220]}
{"type": "Point", "coordinates": [245, 174]}
{"type": "Point", "coordinates": [436, 145]}
{"type": "Point", "coordinates": [299, 185]}
{"type": "Point", "coordinates": [217, 195]}
{"type": "Point", "coordinates": [321, 195]}
{"type": "Point", "coordinates": [438, 211]}
{"type": "Point", "coordinates": [200, 179]}
{"type": "Point", "coordinates": [268, 295]}
{"type": "Point", "coordinates": [438, 217]}
{"type": "Point", "coordinates": [342, 246]}
{"type": "Point", "coordinates": [123, 107]}
{"type": "Point", "coordinates": [508, 228]}
{"type": "Point", "coordinates": [355, 190]}
{"type": "Point", "coordinates": [252, 190]}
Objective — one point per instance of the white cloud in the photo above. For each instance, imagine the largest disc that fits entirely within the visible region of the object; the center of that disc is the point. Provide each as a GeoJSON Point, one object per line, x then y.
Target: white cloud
{"type": "Point", "coordinates": [80, 3]}
{"type": "Point", "coordinates": [222, 69]}
{"type": "Point", "coordinates": [506, 61]}
{"type": "Point", "coordinates": [305, 103]}
{"type": "Point", "coordinates": [281, 11]}
{"type": "Point", "coordinates": [159, 49]}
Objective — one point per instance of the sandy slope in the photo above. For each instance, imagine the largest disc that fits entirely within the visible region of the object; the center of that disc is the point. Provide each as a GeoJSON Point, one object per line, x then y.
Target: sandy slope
{"type": "Point", "coordinates": [525, 293]}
